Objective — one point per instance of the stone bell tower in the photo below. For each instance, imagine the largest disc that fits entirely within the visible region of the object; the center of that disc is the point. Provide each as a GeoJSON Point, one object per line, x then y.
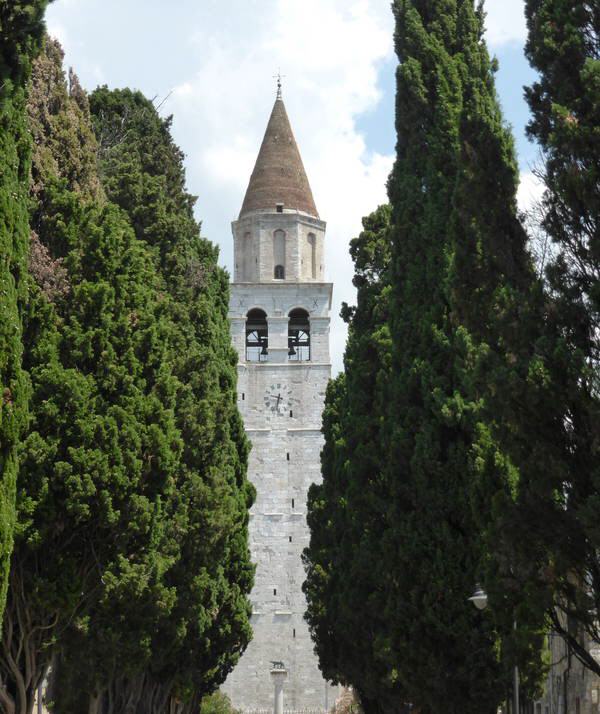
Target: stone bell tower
{"type": "Point", "coordinates": [279, 313]}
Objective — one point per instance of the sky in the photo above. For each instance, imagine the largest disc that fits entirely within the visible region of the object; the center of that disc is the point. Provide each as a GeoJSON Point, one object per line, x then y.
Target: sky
{"type": "Point", "coordinates": [212, 64]}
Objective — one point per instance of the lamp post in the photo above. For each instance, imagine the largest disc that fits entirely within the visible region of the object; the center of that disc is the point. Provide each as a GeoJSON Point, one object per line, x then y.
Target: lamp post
{"type": "Point", "coordinates": [480, 599]}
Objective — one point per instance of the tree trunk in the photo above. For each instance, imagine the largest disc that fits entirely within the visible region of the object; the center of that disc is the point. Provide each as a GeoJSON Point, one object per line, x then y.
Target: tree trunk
{"type": "Point", "coordinates": [94, 705]}
{"type": "Point", "coordinates": [25, 654]}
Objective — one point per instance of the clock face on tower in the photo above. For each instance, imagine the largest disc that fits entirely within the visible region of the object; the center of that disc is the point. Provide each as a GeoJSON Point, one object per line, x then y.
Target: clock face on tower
{"type": "Point", "coordinates": [278, 398]}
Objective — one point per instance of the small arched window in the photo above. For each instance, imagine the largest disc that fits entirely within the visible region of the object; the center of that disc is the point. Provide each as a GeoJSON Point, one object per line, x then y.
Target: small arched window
{"type": "Point", "coordinates": [279, 272]}
{"type": "Point", "coordinates": [299, 336]}
{"type": "Point", "coordinates": [279, 253]}
{"type": "Point", "coordinates": [257, 336]}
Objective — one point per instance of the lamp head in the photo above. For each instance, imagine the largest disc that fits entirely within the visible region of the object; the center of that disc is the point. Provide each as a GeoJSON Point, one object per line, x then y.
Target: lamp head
{"type": "Point", "coordinates": [479, 598]}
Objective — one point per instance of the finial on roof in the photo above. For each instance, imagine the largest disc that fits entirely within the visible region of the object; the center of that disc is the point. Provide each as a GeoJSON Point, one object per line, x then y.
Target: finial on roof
{"type": "Point", "coordinates": [279, 77]}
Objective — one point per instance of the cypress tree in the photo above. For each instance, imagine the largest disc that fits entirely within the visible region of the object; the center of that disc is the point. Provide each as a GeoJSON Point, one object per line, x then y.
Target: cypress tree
{"type": "Point", "coordinates": [433, 540]}
{"type": "Point", "coordinates": [564, 47]}
{"type": "Point", "coordinates": [468, 372]}
{"type": "Point", "coordinates": [344, 512]}
{"type": "Point", "coordinates": [21, 28]}
{"type": "Point", "coordinates": [97, 463]}
{"type": "Point", "coordinates": [193, 646]}
{"type": "Point", "coordinates": [463, 308]}
{"type": "Point", "coordinates": [497, 297]}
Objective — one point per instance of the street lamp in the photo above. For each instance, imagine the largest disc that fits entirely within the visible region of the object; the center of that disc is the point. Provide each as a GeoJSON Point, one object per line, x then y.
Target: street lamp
{"type": "Point", "coordinates": [480, 599]}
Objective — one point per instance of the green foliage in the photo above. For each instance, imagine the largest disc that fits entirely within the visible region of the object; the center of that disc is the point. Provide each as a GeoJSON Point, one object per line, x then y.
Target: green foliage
{"type": "Point", "coordinates": [433, 540]}
{"type": "Point", "coordinates": [98, 461]}
{"type": "Point", "coordinates": [64, 144]}
{"type": "Point", "coordinates": [464, 324]}
{"type": "Point", "coordinates": [427, 436]}
{"type": "Point", "coordinates": [131, 566]}
{"type": "Point", "coordinates": [21, 27]}
{"type": "Point", "coordinates": [217, 703]}
{"type": "Point", "coordinates": [466, 329]}
{"type": "Point", "coordinates": [344, 512]}
{"type": "Point", "coordinates": [190, 647]}
{"type": "Point", "coordinates": [563, 495]}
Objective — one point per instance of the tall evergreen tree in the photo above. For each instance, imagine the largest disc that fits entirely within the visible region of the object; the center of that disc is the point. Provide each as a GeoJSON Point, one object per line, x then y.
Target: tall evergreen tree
{"type": "Point", "coordinates": [497, 298]}
{"type": "Point", "coordinates": [192, 647]}
{"type": "Point", "coordinates": [463, 308]}
{"type": "Point", "coordinates": [98, 461]}
{"type": "Point", "coordinates": [564, 47]}
{"type": "Point", "coordinates": [21, 28]}
{"type": "Point", "coordinates": [431, 535]}
{"type": "Point", "coordinates": [344, 511]}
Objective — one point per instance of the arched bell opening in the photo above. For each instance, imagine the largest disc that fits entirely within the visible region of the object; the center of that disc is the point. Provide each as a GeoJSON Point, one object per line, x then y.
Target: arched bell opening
{"type": "Point", "coordinates": [299, 336]}
{"type": "Point", "coordinates": [257, 336]}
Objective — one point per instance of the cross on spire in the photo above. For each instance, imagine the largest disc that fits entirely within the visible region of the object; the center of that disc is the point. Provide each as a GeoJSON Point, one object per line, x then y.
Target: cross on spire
{"type": "Point", "coordinates": [279, 77]}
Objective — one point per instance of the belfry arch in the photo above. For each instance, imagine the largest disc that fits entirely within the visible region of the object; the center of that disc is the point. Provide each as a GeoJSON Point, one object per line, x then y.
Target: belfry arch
{"type": "Point", "coordinates": [257, 336]}
{"type": "Point", "coordinates": [299, 335]}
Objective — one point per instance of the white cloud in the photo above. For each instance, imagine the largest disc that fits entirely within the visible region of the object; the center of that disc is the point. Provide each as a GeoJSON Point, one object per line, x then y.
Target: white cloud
{"type": "Point", "coordinates": [329, 51]}
{"type": "Point", "coordinates": [531, 190]}
{"type": "Point", "coordinates": [505, 21]}
{"type": "Point", "coordinates": [58, 31]}
{"type": "Point", "coordinates": [63, 22]}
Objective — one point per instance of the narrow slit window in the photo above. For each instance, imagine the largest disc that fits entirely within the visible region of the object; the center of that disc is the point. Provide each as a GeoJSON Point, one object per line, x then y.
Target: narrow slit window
{"type": "Point", "coordinates": [294, 632]}
{"type": "Point", "coordinates": [291, 413]}
{"type": "Point", "coordinates": [292, 502]}
{"type": "Point", "coordinates": [288, 456]}
{"type": "Point", "coordinates": [312, 248]}
{"type": "Point", "coordinates": [274, 591]}
{"type": "Point", "coordinates": [279, 255]}
{"type": "Point", "coordinates": [248, 253]}
{"type": "Point", "coordinates": [290, 539]}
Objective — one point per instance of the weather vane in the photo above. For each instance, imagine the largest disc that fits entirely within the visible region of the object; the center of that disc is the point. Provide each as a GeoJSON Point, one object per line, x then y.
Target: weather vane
{"type": "Point", "coordinates": [279, 77]}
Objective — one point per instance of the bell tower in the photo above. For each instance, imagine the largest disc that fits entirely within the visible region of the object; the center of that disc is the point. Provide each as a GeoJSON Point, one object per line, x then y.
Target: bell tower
{"type": "Point", "coordinates": [279, 314]}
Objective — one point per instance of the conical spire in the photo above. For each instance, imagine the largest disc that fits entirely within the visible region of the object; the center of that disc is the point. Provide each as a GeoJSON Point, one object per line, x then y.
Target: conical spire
{"type": "Point", "coordinates": [279, 176]}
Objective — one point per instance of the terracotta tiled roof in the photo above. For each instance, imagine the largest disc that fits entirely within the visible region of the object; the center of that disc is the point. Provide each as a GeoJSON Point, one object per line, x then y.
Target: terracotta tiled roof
{"type": "Point", "coordinates": [279, 175]}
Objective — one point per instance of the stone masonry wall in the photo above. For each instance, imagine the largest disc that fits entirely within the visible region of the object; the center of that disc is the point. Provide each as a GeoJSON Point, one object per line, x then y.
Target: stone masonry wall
{"type": "Point", "coordinates": [284, 461]}
{"type": "Point", "coordinates": [253, 237]}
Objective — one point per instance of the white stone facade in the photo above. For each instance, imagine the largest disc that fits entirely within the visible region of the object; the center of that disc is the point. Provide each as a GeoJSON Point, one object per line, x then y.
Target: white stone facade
{"type": "Point", "coordinates": [281, 402]}
{"type": "Point", "coordinates": [570, 688]}
{"type": "Point", "coordinates": [292, 239]}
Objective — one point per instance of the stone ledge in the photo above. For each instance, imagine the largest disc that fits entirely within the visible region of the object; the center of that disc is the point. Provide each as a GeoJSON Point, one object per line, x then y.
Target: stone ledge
{"type": "Point", "coordinates": [279, 365]}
